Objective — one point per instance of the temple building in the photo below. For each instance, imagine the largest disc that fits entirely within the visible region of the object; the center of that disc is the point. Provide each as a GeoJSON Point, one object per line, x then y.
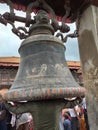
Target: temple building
{"type": "Point", "coordinates": [9, 67]}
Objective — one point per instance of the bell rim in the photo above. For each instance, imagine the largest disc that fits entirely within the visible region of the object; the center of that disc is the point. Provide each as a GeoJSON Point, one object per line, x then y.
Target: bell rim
{"type": "Point", "coordinates": [44, 94]}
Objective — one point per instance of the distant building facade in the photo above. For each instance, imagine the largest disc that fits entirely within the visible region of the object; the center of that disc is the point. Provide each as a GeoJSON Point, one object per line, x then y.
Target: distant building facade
{"type": "Point", "coordinates": [9, 67]}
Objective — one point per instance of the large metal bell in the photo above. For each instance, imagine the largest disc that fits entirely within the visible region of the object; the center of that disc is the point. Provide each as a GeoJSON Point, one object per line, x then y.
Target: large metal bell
{"type": "Point", "coordinates": [43, 72]}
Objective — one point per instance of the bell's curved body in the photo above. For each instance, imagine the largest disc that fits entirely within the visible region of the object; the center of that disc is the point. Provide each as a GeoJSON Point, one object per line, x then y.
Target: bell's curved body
{"type": "Point", "coordinates": [43, 72]}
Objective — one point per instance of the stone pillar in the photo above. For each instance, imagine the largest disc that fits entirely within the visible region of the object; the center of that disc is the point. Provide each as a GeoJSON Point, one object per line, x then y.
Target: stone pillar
{"type": "Point", "coordinates": [88, 48]}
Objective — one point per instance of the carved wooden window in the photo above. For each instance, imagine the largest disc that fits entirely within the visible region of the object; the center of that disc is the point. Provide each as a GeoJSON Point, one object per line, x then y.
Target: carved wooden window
{"type": "Point", "coordinates": [7, 76]}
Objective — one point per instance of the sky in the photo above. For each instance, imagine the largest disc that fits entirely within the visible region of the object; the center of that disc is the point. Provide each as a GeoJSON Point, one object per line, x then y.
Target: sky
{"type": "Point", "coordinates": [10, 43]}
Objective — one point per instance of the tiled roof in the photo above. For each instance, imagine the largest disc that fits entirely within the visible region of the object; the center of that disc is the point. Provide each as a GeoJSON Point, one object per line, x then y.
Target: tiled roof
{"type": "Point", "coordinates": [14, 61]}
{"type": "Point", "coordinates": [74, 64]}
{"type": "Point", "coordinates": [9, 60]}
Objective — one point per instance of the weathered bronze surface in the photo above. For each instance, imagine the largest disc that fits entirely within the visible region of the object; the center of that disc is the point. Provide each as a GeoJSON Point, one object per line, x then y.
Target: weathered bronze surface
{"type": "Point", "coordinates": [43, 79]}
{"type": "Point", "coordinates": [65, 11]}
{"type": "Point", "coordinates": [43, 73]}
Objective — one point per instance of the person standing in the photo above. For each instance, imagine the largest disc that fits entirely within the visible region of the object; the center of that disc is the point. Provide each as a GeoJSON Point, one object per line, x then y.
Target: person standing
{"type": "Point", "coordinates": [22, 121]}
{"type": "Point", "coordinates": [8, 121]}
{"type": "Point", "coordinates": [74, 113]}
{"type": "Point", "coordinates": [85, 112]}
{"type": "Point", "coordinates": [3, 111]}
{"type": "Point", "coordinates": [67, 122]}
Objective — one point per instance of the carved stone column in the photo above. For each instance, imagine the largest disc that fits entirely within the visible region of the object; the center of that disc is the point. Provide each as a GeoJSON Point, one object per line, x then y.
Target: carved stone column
{"type": "Point", "coordinates": [88, 47]}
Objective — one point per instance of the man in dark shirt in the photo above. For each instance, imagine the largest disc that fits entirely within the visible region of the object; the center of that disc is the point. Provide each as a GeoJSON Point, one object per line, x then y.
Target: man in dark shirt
{"type": "Point", "coordinates": [67, 122]}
